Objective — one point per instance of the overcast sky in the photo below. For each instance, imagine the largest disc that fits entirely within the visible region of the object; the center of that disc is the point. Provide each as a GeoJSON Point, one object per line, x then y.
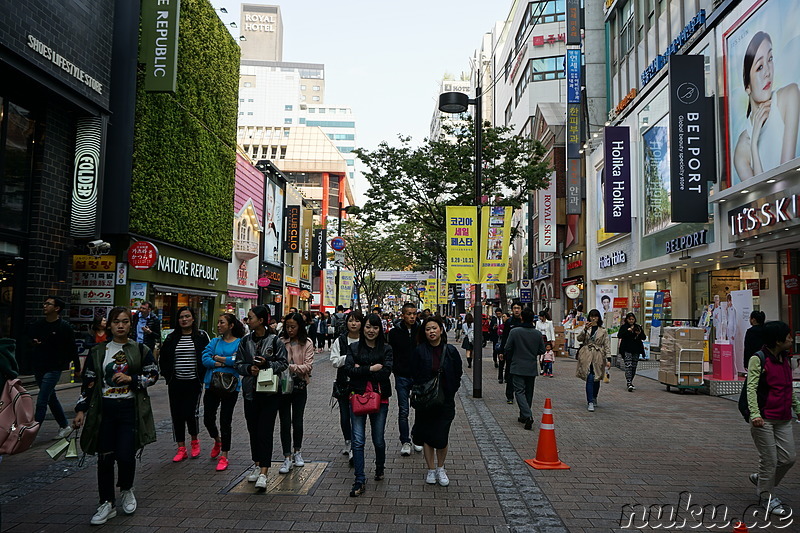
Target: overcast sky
{"type": "Point", "coordinates": [382, 58]}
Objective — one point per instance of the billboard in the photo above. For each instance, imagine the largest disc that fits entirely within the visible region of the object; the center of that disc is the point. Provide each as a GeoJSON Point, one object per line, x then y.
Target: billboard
{"type": "Point", "coordinates": [655, 144]}
{"type": "Point", "coordinates": [761, 83]}
{"type": "Point", "coordinates": [273, 226]}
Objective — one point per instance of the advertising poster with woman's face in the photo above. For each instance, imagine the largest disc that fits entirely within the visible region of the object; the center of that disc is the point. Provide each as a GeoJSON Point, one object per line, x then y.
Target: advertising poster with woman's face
{"type": "Point", "coordinates": [274, 224]}
{"type": "Point", "coordinates": [761, 76]}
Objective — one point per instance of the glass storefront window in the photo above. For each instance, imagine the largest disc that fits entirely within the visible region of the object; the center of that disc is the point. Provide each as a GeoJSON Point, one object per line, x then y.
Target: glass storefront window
{"type": "Point", "coordinates": [17, 130]}
{"type": "Point", "coordinates": [167, 305]}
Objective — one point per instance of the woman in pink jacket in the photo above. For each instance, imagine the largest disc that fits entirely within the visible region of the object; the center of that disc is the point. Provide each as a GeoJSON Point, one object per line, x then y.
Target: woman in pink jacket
{"type": "Point", "coordinates": [300, 353]}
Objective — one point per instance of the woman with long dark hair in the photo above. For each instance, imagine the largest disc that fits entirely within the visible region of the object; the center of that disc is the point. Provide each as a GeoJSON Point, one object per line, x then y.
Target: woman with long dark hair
{"type": "Point", "coordinates": [369, 365]}
{"type": "Point", "coordinates": [431, 430]}
{"type": "Point", "coordinates": [114, 409]}
{"type": "Point", "coordinates": [341, 391]}
{"type": "Point", "coordinates": [593, 357]}
{"type": "Point", "coordinates": [631, 347]}
{"type": "Point", "coordinates": [219, 358]}
{"type": "Point", "coordinates": [260, 349]}
{"type": "Point", "coordinates": [98, 332]}
{"type": "Point", "coordinates": [322, 331]}
{"type": "Point", "coordinates": [468, 329]}
{"type": "Point", "coordinates": [300, 355]}
{"type": "Point", "coordinates": [181, 363]}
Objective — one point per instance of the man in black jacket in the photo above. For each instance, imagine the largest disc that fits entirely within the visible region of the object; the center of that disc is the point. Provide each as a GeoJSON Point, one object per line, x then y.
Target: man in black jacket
{"type": "Point", "coordinates": [494, 336]}
{"type": "Point", "coordinates": [403, 340]}
{"type": "Point", "coordinates": [505, 362]}
{"type": "Point", "coordinates": [53, 349]}
{"type": "Point", "coordinates": [146, 327]}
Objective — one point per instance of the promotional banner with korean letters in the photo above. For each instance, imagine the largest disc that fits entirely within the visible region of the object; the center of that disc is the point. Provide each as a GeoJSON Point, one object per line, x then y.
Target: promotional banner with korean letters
{"type": "Point", "coordinates": [431, 293]}
{"type": "Point", "coordinates": [547, 216]}
{"type": "Point", "coordinates": [495, 243]}
{"type": "Point", "coordinates": [346, 282]}
{"type": "Point", "coordinates": [462, 234]}
{"type": "Point", "coordinates": [329, 290]}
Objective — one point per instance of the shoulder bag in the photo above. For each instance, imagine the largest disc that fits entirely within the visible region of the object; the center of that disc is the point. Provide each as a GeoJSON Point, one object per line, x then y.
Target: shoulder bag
{"type": "Point", "coordinates": [428, 395]}
{"type": "Point", "coordinates": [223, 383]}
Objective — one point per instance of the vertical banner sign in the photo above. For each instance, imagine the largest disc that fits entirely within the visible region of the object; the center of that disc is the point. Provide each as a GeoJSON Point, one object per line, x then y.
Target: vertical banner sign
{"type": "Point", "coordinates": [692, 147]}
{"type": "Point", "coordinates": [547, 216]}
{"type": "Point", "coordinates": [443, 292]}
{"type": "Point", "coordinates": [573, 76]}
{"type": "Point", "coordinates": [658, 309]}
{"type": "Point", "coordinates": [573, 131]}
{"type": "Point", "coordinates": [430, 293]}
{"type": "Point", "coordinates": [495, 244]}
{"type": "Point", "coordinates": [307, 236]}
{"type": "Point", "coordinates": [329, 288]}
{"type": "Point", "coordinates": [525, 291]}
{"type": "Point", "coordinates": [462, 232]}
{"type": "Point", "coordinates": [618, 179]}
{"type": "Point", "coordinates": [573, 186]}
{"type": "Point", "coordinates": [345, 288]}
{"type": "Point", "coordinates": [159, 47]}
{"type": "Point", "coordinates": [292, 229]}
{"type": "Point", "coordinates": [320, 252]}
{"type": "Point", "coordinates": [573, 22]}
{"type": "Point", "coordinates": [86, 178]}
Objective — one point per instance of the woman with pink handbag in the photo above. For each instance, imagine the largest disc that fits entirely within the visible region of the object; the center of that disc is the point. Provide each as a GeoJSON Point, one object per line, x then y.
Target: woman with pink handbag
{"type": "Point", "coordinates": [369, 365]}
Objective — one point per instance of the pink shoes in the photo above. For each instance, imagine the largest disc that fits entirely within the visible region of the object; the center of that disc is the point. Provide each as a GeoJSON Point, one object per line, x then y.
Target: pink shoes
{"type": "Point", "coordinates": [180, 455]}
{"type": "Point", "coordinates": [195, 449]}
{"type": "Point", "coordinates": [216, 449]}
{"type": "Point", "coordinates": [222, 464]}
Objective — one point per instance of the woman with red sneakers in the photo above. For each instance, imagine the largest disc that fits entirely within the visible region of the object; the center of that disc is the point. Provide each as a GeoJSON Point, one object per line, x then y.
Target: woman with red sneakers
{"type": "Point", "coordinates": [181, 363]}
{"type": "Point", "coordinates": [218, 358]}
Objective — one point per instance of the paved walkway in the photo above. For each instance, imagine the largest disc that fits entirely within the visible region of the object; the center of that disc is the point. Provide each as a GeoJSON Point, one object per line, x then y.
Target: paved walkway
{"type": "Point", "coordinates": [643, 448]}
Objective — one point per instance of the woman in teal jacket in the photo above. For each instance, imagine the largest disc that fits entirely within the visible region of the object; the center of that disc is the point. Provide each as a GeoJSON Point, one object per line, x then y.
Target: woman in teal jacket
{"type": "Point", "coordinates": [218, 357]}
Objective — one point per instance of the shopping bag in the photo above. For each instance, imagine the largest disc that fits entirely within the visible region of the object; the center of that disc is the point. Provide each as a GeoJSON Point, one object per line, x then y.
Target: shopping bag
{"type": "Point", "coordinates": [287, 382]}
{"type": "Point", "coordinates": [73, 449]}
{"type": "Point", "coordinates": [57, 449]}
{"type": "Point", "coordinates": [266, 381]}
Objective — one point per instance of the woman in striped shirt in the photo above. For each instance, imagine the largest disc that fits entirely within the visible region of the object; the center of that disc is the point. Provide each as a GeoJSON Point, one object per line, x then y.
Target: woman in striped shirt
{"type": "Point", "coordinates": [181, 364]}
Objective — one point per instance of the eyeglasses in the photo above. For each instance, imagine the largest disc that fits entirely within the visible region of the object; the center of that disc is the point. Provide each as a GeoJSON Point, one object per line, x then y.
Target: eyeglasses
{"type": "Point", "coordinates": [123, 322]}
{"type": "Point", "coordinates": [48, 303]}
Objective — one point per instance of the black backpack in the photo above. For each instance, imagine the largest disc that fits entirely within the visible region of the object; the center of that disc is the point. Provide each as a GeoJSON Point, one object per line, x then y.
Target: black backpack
{"type": "Point", "coordinates": [743, 407]}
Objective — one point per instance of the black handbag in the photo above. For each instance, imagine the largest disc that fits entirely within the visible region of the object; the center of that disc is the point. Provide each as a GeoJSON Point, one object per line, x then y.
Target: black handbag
{"type": "Point", "coordinates": [224, 382]}
{"type": "Point", "coordinates": [340, 391]}
{"type": "Point", "coordinates": [428, 395]}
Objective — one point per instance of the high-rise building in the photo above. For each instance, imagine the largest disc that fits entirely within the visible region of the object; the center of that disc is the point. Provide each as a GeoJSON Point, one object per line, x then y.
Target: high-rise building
{"type": "Point", "coordinates": [273, 93]}
{"type": "Point", "coordinates": [339, 124]}
{"type": "Point", "coordinates": [262, 29]}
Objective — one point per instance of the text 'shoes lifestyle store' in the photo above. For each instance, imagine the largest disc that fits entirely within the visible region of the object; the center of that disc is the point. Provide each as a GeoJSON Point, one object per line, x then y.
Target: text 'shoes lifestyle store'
{"type": "Point", "coordinates": [171, 278]}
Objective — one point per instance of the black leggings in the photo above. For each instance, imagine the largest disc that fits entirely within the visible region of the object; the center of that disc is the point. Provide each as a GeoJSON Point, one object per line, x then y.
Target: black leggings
{"type": "Point", "coordinates": [116, 443]}
{"type": "Point", "coordinates": [184, 407]}
{"type": "Point", "coordinates": [260, 414]}
{"type": "Point", "coordinates": [292, 408]}
{"type": "Point", "coordinates": [631, 362]}
{"type": "Point", "coordinates": [212, 402]}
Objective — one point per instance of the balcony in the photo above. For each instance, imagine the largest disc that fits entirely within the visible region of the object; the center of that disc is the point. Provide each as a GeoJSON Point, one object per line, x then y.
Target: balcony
{"type": "Point", "coordinates": [245, 250]}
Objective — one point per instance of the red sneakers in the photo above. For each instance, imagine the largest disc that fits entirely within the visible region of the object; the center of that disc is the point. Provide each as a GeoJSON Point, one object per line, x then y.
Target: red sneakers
{"type": "Point", "coordinates": [180, 455]}
{"type": "Point", "coordinates": [222, 464]}
{"type": "Point", "coordinates": [195, 449]}
{"type": "Point", "coordinates": [216, 449]}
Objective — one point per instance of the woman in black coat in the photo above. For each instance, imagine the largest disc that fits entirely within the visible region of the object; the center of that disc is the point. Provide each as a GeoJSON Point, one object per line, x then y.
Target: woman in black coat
{"type": "Point", "coordinates": [432, 426]}
{"type": "Point", "coordinates": [631, 347]}
{"type": "Point", "coordinates": [181, 363]}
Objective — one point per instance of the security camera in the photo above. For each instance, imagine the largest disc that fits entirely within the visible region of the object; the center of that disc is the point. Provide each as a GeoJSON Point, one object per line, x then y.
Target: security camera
{"type": "Point", "coordinates": [98, 247]}
{"type": "Point", "coordinates": [95, 244]}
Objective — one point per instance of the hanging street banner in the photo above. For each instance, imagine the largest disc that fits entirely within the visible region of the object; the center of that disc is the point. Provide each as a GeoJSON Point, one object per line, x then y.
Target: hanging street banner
{"type": "Point", "coordinates": [462, 235]}
{"type": "Point", "coordinates": [159, 44]}
{"type": "Point", "coordinates": [307, 235]}
{"type": "Point", "coordinates": [430, 293]}
{"type": "Point", "coordinates": [691, 134]}
{"type": "Point", "coordinates": [292, 229]}
{"type": "Point", "coordinates": [329, 288]}
{"type": "Point", "coordinates": [573, 21]}
{"type": "Point", "coordinates": [574, 184]}
{"type": "Point", "coordinates": [400, 275]}
{"type": "Point", "coordinates": [574, 76]}
{"type": "Point", "coordinates": [346, 282]}
{"type": "Point", "coordinates": [319, 253]}
{"type": "Point", "coordinates": [547, 216]}
{"type": "Point", "coordinates": [618, 179]}
{"type": "Point", "coordinates": [495, 244]}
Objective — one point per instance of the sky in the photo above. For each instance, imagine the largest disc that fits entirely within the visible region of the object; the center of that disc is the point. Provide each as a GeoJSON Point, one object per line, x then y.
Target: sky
{"type": "Point", "coordinates": [384, 59]}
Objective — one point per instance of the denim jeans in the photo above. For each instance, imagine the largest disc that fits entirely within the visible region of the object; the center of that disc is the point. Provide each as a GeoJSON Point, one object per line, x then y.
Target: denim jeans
{"type": "Point", "coordinates": [592, 386]}
{"type": "Point", "coordinates": [403, 387]}
{"type": "Point", "coordinates": [47, 397]}
{"type": "Point", "coordinates": [377, 422]}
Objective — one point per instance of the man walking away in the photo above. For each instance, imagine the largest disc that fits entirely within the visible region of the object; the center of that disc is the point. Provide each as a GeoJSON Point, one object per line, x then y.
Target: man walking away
{"type": "Point", "coordinates": [403, 340]}
{"type": "Point", "coordinates": [494, 336]}
{"type": "Point", "coordinates": [511, 323]}
{"type": "Point", "coordinates": [53, 349]}
{"type": "Point", "coordinates": [524, 346]}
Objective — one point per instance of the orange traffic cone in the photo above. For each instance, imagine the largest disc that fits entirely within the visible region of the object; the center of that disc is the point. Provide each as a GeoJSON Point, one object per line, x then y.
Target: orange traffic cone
{"type": "Point", "coordinates": [546, 449]}
{"type": "Point", "coordinates": [740, 528]}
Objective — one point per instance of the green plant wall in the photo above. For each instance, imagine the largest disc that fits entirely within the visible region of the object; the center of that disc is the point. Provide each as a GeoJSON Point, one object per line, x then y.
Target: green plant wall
{"type": "Point", "coordinates": [184, 156]}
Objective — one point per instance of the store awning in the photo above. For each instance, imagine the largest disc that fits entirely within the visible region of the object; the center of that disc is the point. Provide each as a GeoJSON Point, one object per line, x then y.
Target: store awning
{"type": "Point", "coordinates": [243, 295]}
{"type": "Point", "coordinates": [184, 290]}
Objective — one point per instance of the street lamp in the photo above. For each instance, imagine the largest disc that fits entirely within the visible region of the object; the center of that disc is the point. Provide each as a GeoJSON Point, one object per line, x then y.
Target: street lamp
{"type": "Point", "coordinates": [453, 102]}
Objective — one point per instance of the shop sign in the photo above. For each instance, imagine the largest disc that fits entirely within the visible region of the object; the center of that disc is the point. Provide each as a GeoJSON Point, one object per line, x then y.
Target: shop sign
{"type": "Point", "coordinates": [263, 282]}
{"type": "Point", "coordinates": [614, 258]}
{"type": "Point", "coordinates": [541, 272]}
{"type": "Point", "coordinates": [241, 274]}
{"type": "Point", "coordinates": [518, 61]}
{"type": "Point", "coordinates": [775, 212]}
{"type": "Point", "coordinates": [667, 296]}
{"type": "Point", "coordinates": [791, 284]}
{"type": "Point", "coordinates": [636, 297]}
{"type": "Point", "coordinates": [292, 281]}
{"type": "Point", "coordinates": [572, 291]}
{"type": "Point", "coordinates": [572, 265]}
{"type": "Point", "coordinates": [573, 21]}
{"type": "Point", "coordinates": [308, 236]}
{"type": "Point", "coordinates": [573, 131]}
{"type": "Point", "coordinates": [293, 291]}
{"type": "Point", "coordinates": [692, 144]}
{"type": "Point", "coordinates": [683, 37]}
{"type": "Point", "coordinates": [617, 141]}
{"type": "Point", "coordinates": [620, 303]}
{"type": "Point", "coordinates": [320, 253]}
{"type": "Point", "coordinates": [306, 285]}
{"type": "Point", "coordinates": [90, 263]}
{"type": "Point", "coordinates": [143, 255]}
{"type": "Point", "coordinates": [305, 295]}
{"type": "Point", "coordinates": [574, 186]}
{"type": "Point", "coordinates": [277, 277]}
{"type": "Point", "coordinates": [93, 279]}
{"type": "Point", "coordinates": [173, 265]}
{"type": "Point", "coordinates": [93, 296]}
{"type": "Point", "coordinates": [525, 291]}
{"type": "Point", "coordinates": [292, 229]}
{"type": "Point", "coordinates": [547, 216]}
{"type": "Point", "coordinates": [86, 177]}
{"type": "Point", "coordinates": [61, 62]}
{"type": "Point", "coordinates": [658, 309]}
{"type": "Point", "coordinates": [698, 238]}
{"type": "Point", "coordinates": [122, 274]}
{"type": "Point", "coordinates": [573, 76]}
{"type": "Point", "coordinates": [553, 38]}
{"type": "Point", "coordinates": [138, 293]}
{"type": "Point", "coordinates": [159, 44]}
{"type": "Point", "coordinates": [754, 286]}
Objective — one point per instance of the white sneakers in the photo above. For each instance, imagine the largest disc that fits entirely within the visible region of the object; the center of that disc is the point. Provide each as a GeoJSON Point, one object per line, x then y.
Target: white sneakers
{"type": "Point", "coordinates": [346, 448]}
{"type": "Point", "coordinates": [298, 459]}
{"type": "Point", "coordinates": [441, 475]}
{"type": "Point", "coordinates": [405, 449]}
{"type": "Point", "coordinates": [417, 448]}
{"type": "Point", "coordinates": [253, 475]}
{"type": "Point", "coordinates": [591, 407]}
{"type": "Point", "coordinates": [105, 512]}
{"type": "Point", "coordinates": [261, 482]}
{"type": "Point", "coordinates": [286, 466]}
{"type": "Point", "coordinates": [430, 478]}
{"type": "Point", "coordinates": [63, 432]}
{"type": "Point", "coordinates": [128, 501]}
